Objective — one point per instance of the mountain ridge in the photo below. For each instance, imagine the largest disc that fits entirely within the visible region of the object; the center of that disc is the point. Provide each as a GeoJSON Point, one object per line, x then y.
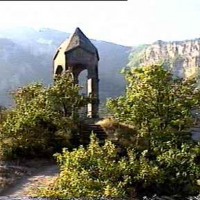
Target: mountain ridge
{"type": "Point", "coordinates": [27, 57]}
{"type": "Point", "coordinates": [182, 58]}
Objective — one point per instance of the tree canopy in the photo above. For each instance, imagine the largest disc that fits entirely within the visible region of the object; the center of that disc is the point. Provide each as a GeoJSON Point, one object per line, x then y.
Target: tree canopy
{"type": "Point", "coordinates": [43, 118]}
{"type": "Point", "coordinates": [156, 103]}
{"type": "Point", "coordinates": [160, 108]}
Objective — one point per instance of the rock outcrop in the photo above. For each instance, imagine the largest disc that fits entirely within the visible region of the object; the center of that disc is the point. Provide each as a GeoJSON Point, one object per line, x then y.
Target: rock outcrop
{"type": "Point", "coordinates": [182, 57]}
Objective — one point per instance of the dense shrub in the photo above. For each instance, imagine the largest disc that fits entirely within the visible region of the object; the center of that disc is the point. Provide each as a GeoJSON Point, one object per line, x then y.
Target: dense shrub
{"type": "Point", "coordinates": [180, 170]}
{"type": "Point", "coordinates": [99, 171]}
{"type": "Point", "coordinates": [91, 173]}
{"type": "Point", "coordinates": [42, 120]}
{"type": "Point", "coordinates": [159, 106]}
{"type": "Point", "coordinates": [160, 157]}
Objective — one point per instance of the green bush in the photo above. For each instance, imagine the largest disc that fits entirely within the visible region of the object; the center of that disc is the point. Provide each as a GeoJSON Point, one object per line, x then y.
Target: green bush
{"type": "Point", "coordinates": [92, 173]}
{"type": "Point", "coordinates": [180, 170]}
{"type": "Point", "coordinates": [42, 121]}
{"type": "Point", "coordinates": [159, 107]}
{"type": "Point", "coordinates": [172, 171]}
{"type": "Point", "coordinates": [99, 171]}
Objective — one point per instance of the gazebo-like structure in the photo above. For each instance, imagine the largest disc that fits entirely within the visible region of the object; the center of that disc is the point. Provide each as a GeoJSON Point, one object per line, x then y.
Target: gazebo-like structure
{"type": "Point", "coordinates": [75, 55]}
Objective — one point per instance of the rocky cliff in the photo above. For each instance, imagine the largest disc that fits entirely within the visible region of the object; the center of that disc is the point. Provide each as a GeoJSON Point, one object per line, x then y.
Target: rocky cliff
{"type": "Point", "coordinates": [181, 57]}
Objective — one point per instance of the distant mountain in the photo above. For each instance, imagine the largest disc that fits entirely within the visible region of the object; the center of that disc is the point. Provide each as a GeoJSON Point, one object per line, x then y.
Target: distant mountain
{"type": "Point", "coordinates": [182, 58]}
{"type": "Point", "coordinates": [27, 55]}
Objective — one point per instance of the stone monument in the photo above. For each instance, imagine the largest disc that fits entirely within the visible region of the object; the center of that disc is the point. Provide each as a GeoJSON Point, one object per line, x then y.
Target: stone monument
{"type": "Point", "coordinates": [75, 55]}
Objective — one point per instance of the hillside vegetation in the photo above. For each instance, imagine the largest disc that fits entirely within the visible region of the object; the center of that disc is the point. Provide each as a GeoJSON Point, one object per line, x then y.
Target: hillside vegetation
{"type": "Point", "coordinates": [44, 120]}
{"type": "Point", "coordinates": [149, 149]}
{"type": "Point", "coordinates": [161, 158]}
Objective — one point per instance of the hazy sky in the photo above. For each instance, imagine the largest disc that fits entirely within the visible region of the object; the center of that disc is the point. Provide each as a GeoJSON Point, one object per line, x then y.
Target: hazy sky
{"type": "Point", "coordinates": [127, 22]}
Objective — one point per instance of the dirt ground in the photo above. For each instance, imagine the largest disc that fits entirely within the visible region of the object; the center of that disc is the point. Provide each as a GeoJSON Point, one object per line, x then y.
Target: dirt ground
{"type": "Point", "coordinates": [17, 179]}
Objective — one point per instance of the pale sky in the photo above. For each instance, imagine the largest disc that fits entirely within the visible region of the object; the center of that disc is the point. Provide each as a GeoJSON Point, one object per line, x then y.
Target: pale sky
{"type": "Point", "coordinates": [129, 22]}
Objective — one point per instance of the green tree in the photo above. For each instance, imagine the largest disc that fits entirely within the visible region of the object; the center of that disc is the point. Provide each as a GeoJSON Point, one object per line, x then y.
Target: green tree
{"type": "Point", "coordinates": [156, 104]}
{"type": "Point", "coordinates": [160, 109]}
{"type": "Point", "coordinates": [43, 118]}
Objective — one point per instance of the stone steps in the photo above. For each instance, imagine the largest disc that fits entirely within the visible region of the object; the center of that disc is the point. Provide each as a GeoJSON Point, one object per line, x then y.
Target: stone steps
{"type": "Point", "coordinates": [87, 130]}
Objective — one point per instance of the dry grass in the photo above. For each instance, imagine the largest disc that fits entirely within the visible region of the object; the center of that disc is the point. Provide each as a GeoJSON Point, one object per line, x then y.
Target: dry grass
{"type": "Point", "coordinates": [123, 134]}
{"type": "Point", "coordinates": [34, 190]}
{"type": "Point", "coordinates": [108, 123]}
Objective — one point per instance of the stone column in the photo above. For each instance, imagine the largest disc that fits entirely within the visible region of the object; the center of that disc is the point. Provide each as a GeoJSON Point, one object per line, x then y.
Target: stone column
{"type": "Point", "coordinates": [93, 92]}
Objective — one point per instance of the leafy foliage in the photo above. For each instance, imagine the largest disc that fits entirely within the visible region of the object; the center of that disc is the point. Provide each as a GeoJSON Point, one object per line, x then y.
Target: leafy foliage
{"type": "Point", "coordinates": [159, 108]}
{"type": "Point", "coordinates": [100, 172]}
{"type": "Point", "coordinates": [90, 173]}
{"type": "Point", "coordinates": [157, 105]}
{"type": "Point", "coordinates": [42, 120]}
{"type": "Point", "coordinates": [180, 170]}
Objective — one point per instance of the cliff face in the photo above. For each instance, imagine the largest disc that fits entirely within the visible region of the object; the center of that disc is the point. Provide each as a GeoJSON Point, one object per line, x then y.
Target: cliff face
{"type": "Point", "coordinates": [182, 57]}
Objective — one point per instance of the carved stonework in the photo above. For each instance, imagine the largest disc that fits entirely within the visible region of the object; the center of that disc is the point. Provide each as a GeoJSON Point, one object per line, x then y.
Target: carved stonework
{"type": "Point", "coordinates": [78, 54]}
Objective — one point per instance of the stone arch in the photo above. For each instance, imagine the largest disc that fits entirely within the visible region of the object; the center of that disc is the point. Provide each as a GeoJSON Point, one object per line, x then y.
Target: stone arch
{"type": "Point", "coordinates": [79, 54]}
{"type": "Point", "coordinates": [59, 70]}
{"type": "Point", "coordinates": [82, 80]}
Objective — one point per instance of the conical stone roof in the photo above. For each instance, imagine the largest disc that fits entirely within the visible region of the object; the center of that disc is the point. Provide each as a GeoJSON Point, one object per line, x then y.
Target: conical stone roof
{"type": "Point", "coordinates": [79, 39]}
